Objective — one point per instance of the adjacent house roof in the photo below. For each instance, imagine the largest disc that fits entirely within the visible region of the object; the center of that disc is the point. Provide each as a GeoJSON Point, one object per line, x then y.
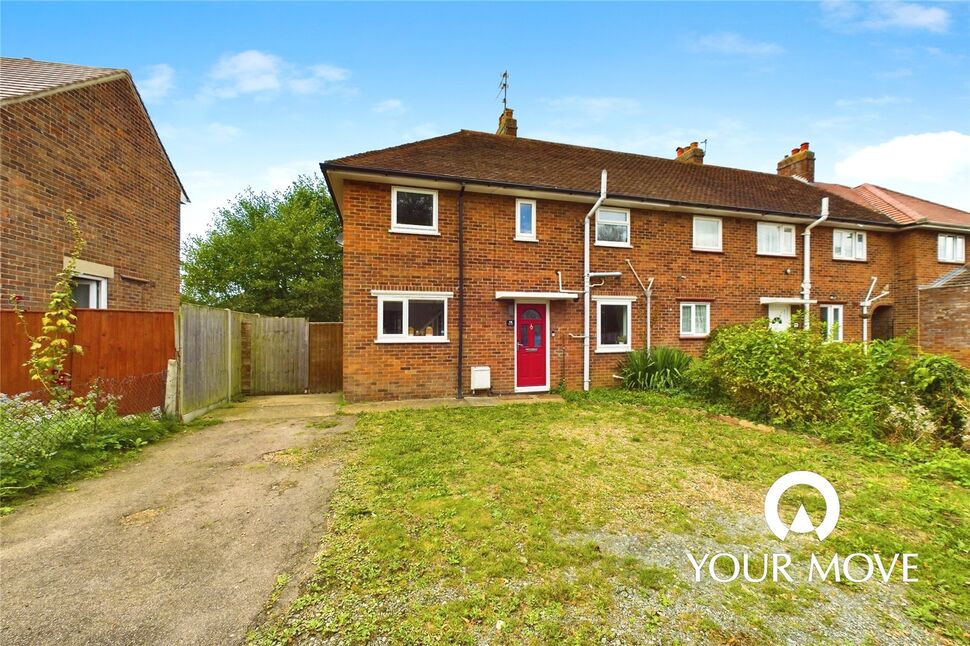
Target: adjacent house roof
{"type": "Point", "coordinates": [959, 277]}
{"type": "Point", "coordinates": [533, 164]}
{"type": "Point", "coordinates": [903, 208]}
{"type": "Point", "coordinates": [24, 79]}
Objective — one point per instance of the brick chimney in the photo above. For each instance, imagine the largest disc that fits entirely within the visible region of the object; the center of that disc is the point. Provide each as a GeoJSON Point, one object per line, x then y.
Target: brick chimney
{"type": "Point", "coordinates": [507, 125]}
{"type": "Point", "coordinates": [800, 163]}
{"type": "Point", "coordinates": [692, 154]}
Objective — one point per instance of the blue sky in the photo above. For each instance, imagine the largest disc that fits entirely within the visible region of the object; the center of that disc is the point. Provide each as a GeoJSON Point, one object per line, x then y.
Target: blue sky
{"type": "Point", "coordinates": [255, 94]}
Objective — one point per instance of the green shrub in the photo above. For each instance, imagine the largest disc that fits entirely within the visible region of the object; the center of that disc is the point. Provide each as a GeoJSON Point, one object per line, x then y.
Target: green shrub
{"type": "Point", "coordinates": [660, 368]}
{"type": "Point", "coordinates": [942, 386]}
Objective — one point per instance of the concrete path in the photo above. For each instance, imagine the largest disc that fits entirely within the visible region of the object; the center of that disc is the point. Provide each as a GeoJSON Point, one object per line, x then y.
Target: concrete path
{"type": "Point", "coordinates": [181, 546]}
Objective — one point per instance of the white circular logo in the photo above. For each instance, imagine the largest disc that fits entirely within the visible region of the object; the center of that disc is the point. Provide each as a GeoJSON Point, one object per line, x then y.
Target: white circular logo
{"type": "Point", "coordinates": [802, 523]}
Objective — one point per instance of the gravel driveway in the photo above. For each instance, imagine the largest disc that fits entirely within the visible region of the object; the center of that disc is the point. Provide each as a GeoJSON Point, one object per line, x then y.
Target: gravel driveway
{"type": "Point", "coordinates": [183, 545]}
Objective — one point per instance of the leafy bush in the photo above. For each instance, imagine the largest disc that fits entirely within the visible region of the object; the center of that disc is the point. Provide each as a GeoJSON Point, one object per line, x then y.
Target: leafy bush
{"type": "Point", "coordinates": [797, 379]}
{"type": "Point", "coordinates": [660, 368]}
{"type": "Point", "coordinates": [43, 443]}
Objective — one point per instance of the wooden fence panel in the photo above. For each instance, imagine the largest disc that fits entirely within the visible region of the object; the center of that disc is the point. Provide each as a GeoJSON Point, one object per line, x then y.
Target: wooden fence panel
{"type": "Point", "coordinates": [279, 355]}
{"type": "Point", "coordinates": [127, 351]}
{"type": "Point", "coordinates": [325, 362]}
{"type": "Point", "coordinates": [204, 349]}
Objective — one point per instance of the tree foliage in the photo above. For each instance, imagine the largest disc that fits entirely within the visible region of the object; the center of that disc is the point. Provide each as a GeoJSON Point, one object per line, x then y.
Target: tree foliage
{"type": "Point", "coordinates": [270, 253]}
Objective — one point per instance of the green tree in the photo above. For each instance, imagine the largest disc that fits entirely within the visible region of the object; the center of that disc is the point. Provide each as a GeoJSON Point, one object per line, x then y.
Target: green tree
{"type": "Point", "coordinates": [270, 253]}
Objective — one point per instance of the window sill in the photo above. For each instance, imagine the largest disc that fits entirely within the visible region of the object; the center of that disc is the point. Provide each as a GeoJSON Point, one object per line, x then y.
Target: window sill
{"type": "Point", "coordinates": [415, 232]}
{"type": "Point", "coordinates": [693, 337]}
{"type": "Point", "coordinates": [410, 339]}
{"type": "Point", "coordinates": [777, 255]}
{"type": "Point", "coordinates": [621, 245]}
{"type": "Point", "coordinates": [850, 259]}
{"type": "Point", "coordinates": [613, 349]}
{"type": "Point", "coordinates": [951, 262]}
{"type": "Point", "coordinates": [701, 250]}
{"type": "Point", "coordinates": [522, 239]}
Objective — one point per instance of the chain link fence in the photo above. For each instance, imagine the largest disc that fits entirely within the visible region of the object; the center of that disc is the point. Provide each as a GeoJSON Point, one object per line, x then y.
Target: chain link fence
{"type": "Point", "coordinates": [103, 414]}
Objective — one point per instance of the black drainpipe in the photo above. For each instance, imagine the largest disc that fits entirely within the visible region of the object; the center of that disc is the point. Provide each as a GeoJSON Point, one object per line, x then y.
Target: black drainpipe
{"type": "Point", "coordinates": [461, 290]}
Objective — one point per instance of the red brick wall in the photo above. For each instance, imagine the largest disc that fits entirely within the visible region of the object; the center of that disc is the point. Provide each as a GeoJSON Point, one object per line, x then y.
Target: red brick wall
{"type": "Point", "coordinates": [733, 281]}
{"type": "Point", "coordinates": [91, 150]}
{"type": "Point", "coordinates": [916, 266]}
{"type": "Point", "coordinates": [945, 322]}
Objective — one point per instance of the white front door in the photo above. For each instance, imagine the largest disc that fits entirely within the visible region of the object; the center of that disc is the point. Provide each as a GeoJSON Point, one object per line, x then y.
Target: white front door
{"type": "Point", "coordinates": [779, 316]}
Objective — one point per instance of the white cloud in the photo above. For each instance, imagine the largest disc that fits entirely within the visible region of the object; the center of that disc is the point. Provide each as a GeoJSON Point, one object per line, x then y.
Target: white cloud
{"type": "Point", "coordinates": [595, 107]}
{"type": "Point", "coordinates": [222, 133]}
{"type": "Point", "coordinates": [868, 100]}
{"type": "Point", "coordinates": [389, 106]}
{"type": "Point", "coordinates": [261, 73]}
{"type": "Point", "coordinates": [931, 165]}
{"type": "Point", "coordinates": [157, 82]}
{"type": "Point", "coordinates": [420, 131]}
{"type": "Point", "coordinates": [854, 16]}
{"type": "Point", "coordinates": [280, 176]}
{"type": "Point", "coordinates": [731, 43]}
{"type": "Point", "coordinates": [898, 73]}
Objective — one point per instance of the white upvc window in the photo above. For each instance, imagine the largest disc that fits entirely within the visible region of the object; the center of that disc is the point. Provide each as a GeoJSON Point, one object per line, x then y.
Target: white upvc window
{"type": "Point", "coordinates": [832, 320]}
{"type": "Point", "coordinates": [614, 323]}
{"type": "Point", "coordinates": [414, 210]}
{"type": "Point", "coordinates": [525, 220]}
{"type": "Point", "coordinates": [89, 292]}
{"type": "Point", "coordinates": [695, 319]}
{"type": "Point", "coordinates": [412, 317]}
{"type": "Point", "coordinates": [707, 234]}
{"type": "Point", "coordinates": [776, 239]}
{"type": "Point", "coordinates": [848, 245]}
{"type": "Point", "coordinates": [613, 227]}
{"type": "Point", "coordinates": [950, 248]}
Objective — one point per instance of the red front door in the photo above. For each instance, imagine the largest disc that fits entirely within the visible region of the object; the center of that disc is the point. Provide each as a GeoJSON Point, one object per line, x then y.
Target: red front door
{"type": "Point", "coordinates": [530, 345]}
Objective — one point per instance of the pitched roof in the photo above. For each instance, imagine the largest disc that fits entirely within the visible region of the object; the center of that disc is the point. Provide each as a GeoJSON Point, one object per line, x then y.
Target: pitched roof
{"type": "Point", "coordinates": [23, 77]}
{"type": "Point", "coordinates": [531, 163]}
{"type": "Point", "coordinates": [959, 277]}
{"type": "Point", "coordinates": [903, 208]}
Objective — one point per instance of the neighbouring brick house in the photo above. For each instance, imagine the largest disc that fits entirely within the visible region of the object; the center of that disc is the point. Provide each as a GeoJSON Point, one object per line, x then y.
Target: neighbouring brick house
{"type": "Point", "coordinates": [80, 138]}
{"type": "Point", "coordinates": [466, 251]}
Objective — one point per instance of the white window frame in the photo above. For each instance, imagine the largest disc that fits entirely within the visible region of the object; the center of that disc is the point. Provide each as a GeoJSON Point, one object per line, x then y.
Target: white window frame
{"type": "Point", "coordinates": [519, 234]}
{"type": "Point", "coordinates": [828, 321]}
{"type": "Point", "coordinates": [627, 301]}
{"type": "Point", "coordinates": [720, 234]}
{"type": "Point", "coordinates": [693, 334]}
{"type": "Point", "coordinates": [958, 247]}
{"type": "Point", "coordinates": [857, 254]}
{"type": "Point", "coordinates": [102, 300]}
{"type": "Point", "coordinates": [404, 296]}
{"type": "Point", "coordinates": [611, 243]}
{"type": "Point", "coordinates": [782, 227]}
{"type": "Point", "coordinates": [414, 228]}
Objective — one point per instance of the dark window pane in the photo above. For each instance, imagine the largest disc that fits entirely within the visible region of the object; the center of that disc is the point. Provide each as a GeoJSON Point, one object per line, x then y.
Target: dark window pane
{"type": "Point", "coordinates": [393, 317]}
{"type": "Point", "coordinates": [538, 336]}
{"type": "Point", "coordinates": [81, 291]}
{"type": "Point", "coordinates": [612, 232]}
{"type": "Point", "coordinates": [613, 324]}
{"type": "Point", "coordinates": [524, 335]}
{"type": "Point", "coordinates": [530, 315]}
{"type": "Point", "coordinates": [415, 209]}
{"type": "Point", "coordinates": [423, 315]}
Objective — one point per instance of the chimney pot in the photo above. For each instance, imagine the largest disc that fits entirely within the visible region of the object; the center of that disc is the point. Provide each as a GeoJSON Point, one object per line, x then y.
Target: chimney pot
{"type": "Point", "coordinates": [690, 154]}
{"type": "Point", "coordinates": [801, 163]}
{"type": "Point", "coordinates": [804, 145]}
{"type": "Point", "coordinates": [794, 151]}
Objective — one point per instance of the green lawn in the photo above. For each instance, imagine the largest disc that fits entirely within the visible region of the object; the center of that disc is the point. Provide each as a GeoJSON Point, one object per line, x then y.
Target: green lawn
{"type": "Point", "coordinates": [568, 523]}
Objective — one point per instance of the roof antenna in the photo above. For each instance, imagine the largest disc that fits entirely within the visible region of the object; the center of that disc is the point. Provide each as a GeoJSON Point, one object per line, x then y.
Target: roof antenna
{"type": "Point", "coordinates": [704, 143]}
{"type": "Point", "coordinates": [503, 90]}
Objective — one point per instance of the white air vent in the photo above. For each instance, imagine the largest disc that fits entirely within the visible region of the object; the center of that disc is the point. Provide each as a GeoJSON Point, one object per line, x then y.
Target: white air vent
{"type": "Point", "coordinates": [481, 378]}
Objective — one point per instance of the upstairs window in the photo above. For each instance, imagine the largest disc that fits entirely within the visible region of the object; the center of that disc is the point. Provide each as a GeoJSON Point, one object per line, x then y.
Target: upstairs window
{"type": "Point", "coordinates": [525, 220]}
{"type": "Point", "coordinates": [412, 317]}
{"type": "Point", "coordinates": [414, 210]}
{"type": "Point", "coordinates": [832, 319]}
{"type": "Point", "coordinates": [613, 227]}
{"type": "Point", "coordinates": [707, 234]}
{"type": "Point", "coordinates": [848, 245]}
{"type": "Point", "coordinates": [776, 239]}
{"type": "Point", "coordinates": [950, 248]}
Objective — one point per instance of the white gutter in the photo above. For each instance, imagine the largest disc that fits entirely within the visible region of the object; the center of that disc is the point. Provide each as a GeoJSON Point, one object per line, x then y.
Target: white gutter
{"type": "Point", "coordinates": [586, 276]}
{"type": "Point", "coordinates": [647, 293]}
{"type": "Point", "coordinates": [866, 304]}
{"type": "Point", "coordinates": [807, 267]}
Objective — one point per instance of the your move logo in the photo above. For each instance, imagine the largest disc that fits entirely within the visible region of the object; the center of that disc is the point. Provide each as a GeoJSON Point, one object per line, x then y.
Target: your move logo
{"type": "Point", "coordinates": [724, 567]}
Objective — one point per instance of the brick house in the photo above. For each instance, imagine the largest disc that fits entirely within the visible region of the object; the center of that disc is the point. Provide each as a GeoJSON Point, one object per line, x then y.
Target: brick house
{"type": "Point", "coordinates": [80, 138]}
{"type": "Point", "coordinates": [464, 255]}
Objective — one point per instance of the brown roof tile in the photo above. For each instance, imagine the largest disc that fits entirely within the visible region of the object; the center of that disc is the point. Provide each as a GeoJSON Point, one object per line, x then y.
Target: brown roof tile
{"type": "Point", "coordinates": [21, 77]}
{"type": "Point", "coordinates": [483, 157]}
